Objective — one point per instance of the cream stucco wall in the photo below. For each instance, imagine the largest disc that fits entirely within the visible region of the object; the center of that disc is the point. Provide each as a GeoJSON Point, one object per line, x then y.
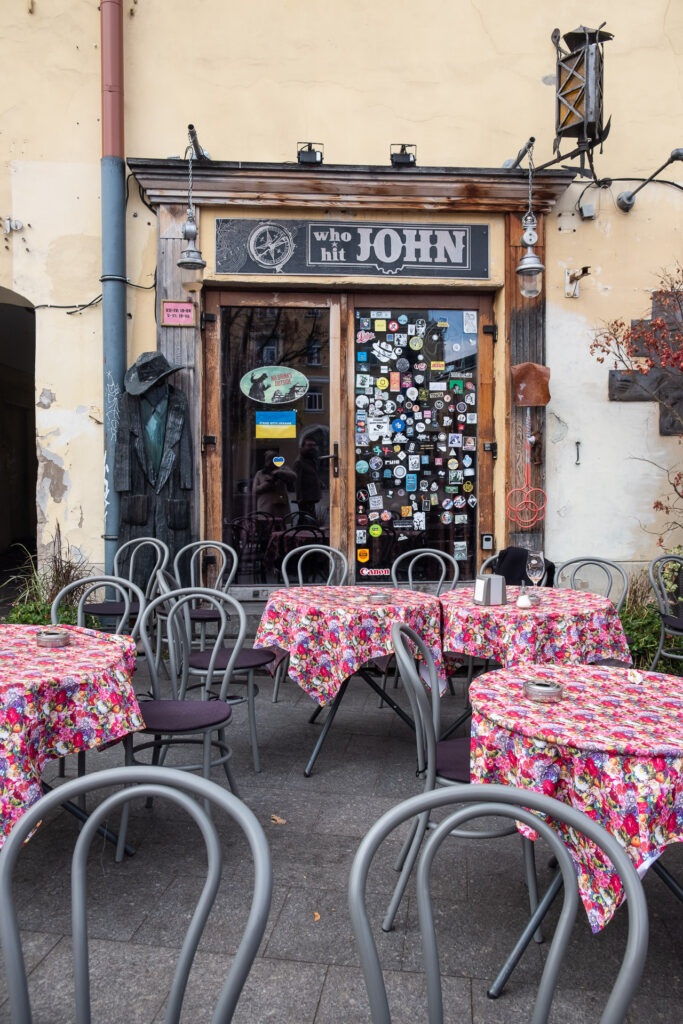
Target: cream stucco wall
{"type": "Point", "coordinates": [467, 82]}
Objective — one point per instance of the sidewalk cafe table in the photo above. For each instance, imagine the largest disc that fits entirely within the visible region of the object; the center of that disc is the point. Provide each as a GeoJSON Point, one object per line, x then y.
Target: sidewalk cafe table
{"type": "Point", "coordinates": [57, 701]}
{"type": "Point", "coordinates": [567, 627]}
{"type": "Point", "coordinates": [612, 747]}
{"type": "Point", "coordinates": [330, 633]}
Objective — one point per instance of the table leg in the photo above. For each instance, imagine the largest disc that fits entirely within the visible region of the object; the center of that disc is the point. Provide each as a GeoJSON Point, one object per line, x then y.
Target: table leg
{"type": "Point", "coordinates": [523, 941]}
{"type": "Point", "coordinates": [365, 675]}
{"type": "Point", "coordinates": [334, 707]}
{"type": "Point", "coordinates": [668, 879]}
{"type": "Point", "coordinates": [82, 815]}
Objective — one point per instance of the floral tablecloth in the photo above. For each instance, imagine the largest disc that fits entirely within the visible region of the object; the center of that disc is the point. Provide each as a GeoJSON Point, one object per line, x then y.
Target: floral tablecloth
{"type": "Point", "coordinates": [56, 702]}
{"type": "Point", "coordinates": [567, 627]}
{"type": "Point", "coordinates": [330, 632]}
{"type": "Point", "coordinates": [612, 748]}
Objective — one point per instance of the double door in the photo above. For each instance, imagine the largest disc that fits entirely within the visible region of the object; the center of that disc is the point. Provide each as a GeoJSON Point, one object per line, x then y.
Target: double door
{"type": "Point", "coordinates": [352, 420]}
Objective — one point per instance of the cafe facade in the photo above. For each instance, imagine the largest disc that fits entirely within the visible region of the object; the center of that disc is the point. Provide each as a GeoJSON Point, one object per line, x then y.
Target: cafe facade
{"type": "Point", "coordinates": [363, 311]}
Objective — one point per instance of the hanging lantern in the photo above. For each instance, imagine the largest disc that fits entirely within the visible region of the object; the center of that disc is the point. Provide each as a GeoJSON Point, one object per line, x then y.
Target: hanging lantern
{"type": "Point", "coordinates": [579, 85]}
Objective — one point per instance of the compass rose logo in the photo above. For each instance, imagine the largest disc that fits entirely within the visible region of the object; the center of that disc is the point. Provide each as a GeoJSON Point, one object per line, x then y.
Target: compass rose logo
{"type": "Point", "coordinates": [270, 245]}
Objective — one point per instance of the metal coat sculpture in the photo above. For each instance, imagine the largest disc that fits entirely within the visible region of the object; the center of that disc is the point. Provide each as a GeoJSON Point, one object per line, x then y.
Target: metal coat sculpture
{"type": "Point", "coordinates": [153, 457]}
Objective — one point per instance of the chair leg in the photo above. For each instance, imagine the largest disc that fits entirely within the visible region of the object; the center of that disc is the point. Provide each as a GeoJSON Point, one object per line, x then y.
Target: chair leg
{"type": "Point", "coordinates": [383, 684]}
{"type": "Point", "coordinates": [206, 765]}
{"type": "Point", "coordinates": [80, 769]}
{"type": "Point", "coordinates": [125, 810]}
{"type": "Point", "coordinates": [659, 651]}
{"type": "Point", "coordinates": [408, 865]}
{"type": "Point", "coordinates": [528, 853]}
{"type": "Point", "coordinates": [226, 766]}
{"type": "Point", "coordinates": [156, 751]}
{"type": "Point", "coordinates": [62, 767]}
{"type": "Point", "coordinates": [251, 711]}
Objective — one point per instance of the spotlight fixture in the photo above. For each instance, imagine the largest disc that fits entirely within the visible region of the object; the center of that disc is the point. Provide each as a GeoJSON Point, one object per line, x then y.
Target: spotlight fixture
{"type": "Point", "coordinates": [625, 200]}
{"type": "Point", "coordinates": [191, 263]}
{"type": "Point", "coordinates": [530, 267]}
{"type": "Point", "coordinates": [309, 152]}
{"type": "Point", "coordinates": [403, 154]}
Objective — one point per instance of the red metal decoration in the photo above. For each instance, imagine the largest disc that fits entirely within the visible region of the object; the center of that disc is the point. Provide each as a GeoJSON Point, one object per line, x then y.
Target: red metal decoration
{"type": "Point", "coordinates": [526, 505]}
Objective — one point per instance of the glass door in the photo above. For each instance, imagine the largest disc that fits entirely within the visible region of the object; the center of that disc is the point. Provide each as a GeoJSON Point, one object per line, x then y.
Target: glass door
{"type": "Point", "coordinates": [279, 396]}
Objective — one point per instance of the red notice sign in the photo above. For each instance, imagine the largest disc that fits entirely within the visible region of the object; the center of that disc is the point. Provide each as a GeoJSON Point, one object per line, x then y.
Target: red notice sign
{"type": "Point", "coordinates": [178, 314]}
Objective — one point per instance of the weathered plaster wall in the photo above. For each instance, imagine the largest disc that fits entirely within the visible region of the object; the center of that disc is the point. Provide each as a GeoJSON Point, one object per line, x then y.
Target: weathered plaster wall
{"type": "Point", "coordinates": [466, 82]}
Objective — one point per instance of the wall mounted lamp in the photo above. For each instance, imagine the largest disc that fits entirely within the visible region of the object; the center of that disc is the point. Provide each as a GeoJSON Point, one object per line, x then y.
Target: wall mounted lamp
{"type": "Point", "coordinates": [191, 263]}
{"type": "Point", "coordinates": [402, 154]}
{"type": "Point", "coordinates": [530, 267]}
{"type": "Point", "coordinates": [309, 152]}
{"type": "Point", "coordinates": [625, 200]}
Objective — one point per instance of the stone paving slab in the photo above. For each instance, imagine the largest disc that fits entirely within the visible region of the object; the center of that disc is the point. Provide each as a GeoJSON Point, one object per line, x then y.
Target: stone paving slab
{"type": "Point", "coordinates": [307, 970]}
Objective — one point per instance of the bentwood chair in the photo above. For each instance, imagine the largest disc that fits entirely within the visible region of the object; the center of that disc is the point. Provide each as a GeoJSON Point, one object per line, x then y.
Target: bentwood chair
{"type": "Point", "coordinates": [319, 560]}
{"type": "Point", "coordinates": [130, 606]}
{"type": "Point", "coordinates": [191, 566]}
{"type": "Point", "coordinates": [139, 561]}
{"type": "Point", "coordinates": [599, 575]}
{"type": "Point", "coordinates": [184, 792]}
{"type": "Point", "coordinates": [516, 805]}
{"type": "Point", "coordinates": [511, 563]}
{"type": "Point", "coordinates": [666, 578]}
{"type": "Point", "coordinates": [178, 721]}
{"type": "Point", "coordinates": [439, 762]}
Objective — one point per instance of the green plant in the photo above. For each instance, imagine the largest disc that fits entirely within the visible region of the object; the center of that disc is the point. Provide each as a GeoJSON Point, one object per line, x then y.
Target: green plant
{"type": "Point", "coordinates": [38, 586]}
{"type": "Point", "coordinates": [641, 622]}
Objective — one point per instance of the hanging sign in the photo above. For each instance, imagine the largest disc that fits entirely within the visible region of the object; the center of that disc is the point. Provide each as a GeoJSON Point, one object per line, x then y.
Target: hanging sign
{"type": "Point", "coordinates": [361, 249]}
{"type": "Point", "coordinates": [274, 385]}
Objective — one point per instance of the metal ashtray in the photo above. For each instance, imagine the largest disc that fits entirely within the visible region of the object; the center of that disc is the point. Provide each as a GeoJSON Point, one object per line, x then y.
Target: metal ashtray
{"type": "Point", "coordinates": [543, 691]}
{"type": "Point", "coordinates": [53, 638]}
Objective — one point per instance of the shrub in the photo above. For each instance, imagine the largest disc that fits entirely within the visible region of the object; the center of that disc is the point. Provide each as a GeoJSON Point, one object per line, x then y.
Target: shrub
{"type": "Point", "coordinates": [38, 586]}
{"type": "Point", "coordinates": [641, 622]}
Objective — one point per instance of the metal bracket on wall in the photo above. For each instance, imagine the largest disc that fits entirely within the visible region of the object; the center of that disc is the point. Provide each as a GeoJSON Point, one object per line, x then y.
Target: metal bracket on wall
{"type": "Point", "coordinates": [491, 446]}
{"type": "Point", "coordinates": [208, 440]}
{"type": "Point", "coordinates": [206, 318]}
{"type": "Point", "coordinates": [491, 329]}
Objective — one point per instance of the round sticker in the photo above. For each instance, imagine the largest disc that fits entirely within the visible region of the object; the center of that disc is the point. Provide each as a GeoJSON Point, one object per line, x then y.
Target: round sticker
{"type": "Point", "coordinates": [375, 530]}
{"type": "Point", "coordinates": [403, 319]}
{"type": "Point", "coordinates": [402, 365]}
{"type": "Point", "coordinates": [420, 427]}
{"type": "Point", "coordinates": [461, 407]}
{"type": "Point", "coordinates": [452, 463]}
{"type": "Point", "coordinates": [399, 472]}
{"type": "Point", "coordinates": [382, 383]}
{"type": "Point", "coordinates": [401, 493]}
{"type": "Point", "coordinates": [362, 401]}
{"type": "Point", "coordinates": [459, 502]}
{"type": "Point", "coordinates": [278, 461]}
{"type": "Point", "coordinates": [363, 554]}
{"type": "Point", "coordinates": [442, 437]}
{"type": "Point", "coordinates": [438, 404]}
{"type": "Point", "coordinates": [385, 515]}
{"type": "Point", "coordinates": [415, 344]}
{"type": "Point", "coordinates": [447, 503]}
{"type": "Point", "coordinates": [362, 520]}
{"type": "Point", "coordinates": [362, 495]}
{"type": "Point", "coordinates": [469, 385]}
{"type": "Point", "coordinates": [389, 407]}
{"type": "Point", "coordinates": [397, 424]}
{"type": "Point", "coordinates": [411, 393]}
{"type": "Point", "coordinates": [468, 486]}
{"type": "Point", "coordinates": [376, 462]}
{"type": "Point", "coordinates": [393, 326]}
{"type": "Point", "coordinates": [362, 466]}
{"type": "Point", "coordinates": [446, 517]}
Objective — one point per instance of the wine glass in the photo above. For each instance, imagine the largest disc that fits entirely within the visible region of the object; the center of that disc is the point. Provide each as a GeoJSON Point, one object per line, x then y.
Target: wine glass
{"type": "Point", "coordinates": [535, 567]}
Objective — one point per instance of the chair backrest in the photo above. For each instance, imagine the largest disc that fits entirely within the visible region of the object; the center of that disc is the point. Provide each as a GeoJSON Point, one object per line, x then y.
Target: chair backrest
{"type": "Point", "coordinates": [666, 578]}
{"type": "Point", "coordinates": [140, 560]}
{"type": "Point", "coordinates": [407, 644]}
{"type": "Point", "coordinates": [515, 804]}
{"type": "Point", "coordinates": [175, 604]}
{"type": "Point", "coordinates": [313, 555]}
{"type": "Point", "coordinates": [511, 563]}
{"type": "Point", "coordinates": [427, 561]}
{"type": "Point", "coordinates": [603, 577]}
{"type": "Point", "coordinates": [298, 519]}
{"type": "Point", "coordinates": [186, 791]}
{"type": "Point", "coordinates": [189, 563]}
{"type": "Point", "coordinates": [125, 590]}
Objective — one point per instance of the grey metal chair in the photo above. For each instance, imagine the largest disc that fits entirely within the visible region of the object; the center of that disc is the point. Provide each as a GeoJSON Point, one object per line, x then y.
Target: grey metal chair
{"type": "Point", "coordinates": [439, 762]}
{"type": "Point", "coordinates": [185, 792]}
{"type": "Point", "coordinates": [139, 559]}
{"type": "Point", "coordinates": [510, 563]}
{"type": "Point", "coordinates": [178, 721]}
{"type": "Point", "coordinates": [129, 608]}
{"type": "Point", "coordinates": [517, 805]}
{"type": "Point", "coordinates": [189, 567]}
{"type": "Point", "coordinates": [666, 578]}
{"type": "Point", "coordinates": [603, 577]}
{"type": "Point", "coordinates": [337, 574]}
{"type": "Point", "coordinates": [412, 563]}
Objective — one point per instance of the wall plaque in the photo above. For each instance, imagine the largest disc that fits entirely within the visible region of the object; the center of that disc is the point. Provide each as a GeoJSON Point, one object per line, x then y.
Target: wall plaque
{"type": "Point", "coordinates": [178, 314]}
{"type": "Point", "coordinates": [352, 248]}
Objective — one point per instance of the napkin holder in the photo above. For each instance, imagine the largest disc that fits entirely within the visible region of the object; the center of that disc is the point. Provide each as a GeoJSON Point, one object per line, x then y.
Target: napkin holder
{"type": "Point", "coordinates": [489, 590]}
{"type": "Point", "coordinates": [53, 638]}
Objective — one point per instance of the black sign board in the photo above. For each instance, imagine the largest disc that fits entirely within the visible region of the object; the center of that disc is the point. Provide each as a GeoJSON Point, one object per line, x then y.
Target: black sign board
{"type": "Point", "coordinates": [352, 248]}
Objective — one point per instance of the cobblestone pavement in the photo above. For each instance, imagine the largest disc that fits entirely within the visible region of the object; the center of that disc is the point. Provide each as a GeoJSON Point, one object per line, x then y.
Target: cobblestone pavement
{"type": "Point", "coordinates": [307, 969]}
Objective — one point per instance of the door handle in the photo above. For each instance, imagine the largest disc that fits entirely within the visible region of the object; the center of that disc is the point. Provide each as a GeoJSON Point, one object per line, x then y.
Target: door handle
{"type": "Point", "coordinates": [334, 455]}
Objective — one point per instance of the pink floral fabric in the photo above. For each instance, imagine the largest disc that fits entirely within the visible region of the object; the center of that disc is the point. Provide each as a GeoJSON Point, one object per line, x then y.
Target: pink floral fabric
{"type": "Point", "coordinates": [330, 632]}
{"type": "Point", "coordinates": [55, 702]}
{"type": "Point", "coordinates": [567, 627]}
{"type": "Point", "coordinates": [612, 748]}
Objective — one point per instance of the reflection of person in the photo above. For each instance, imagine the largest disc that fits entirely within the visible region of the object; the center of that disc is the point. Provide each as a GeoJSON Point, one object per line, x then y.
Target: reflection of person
{"type": "Point", "coordinates": [308, 489]}
{"type": "Point", "coordinates": [257, 391]}
{"type": "Point", "coordinates": [153, 457]}
{"type": "Point", "coordinates": [270, 487]}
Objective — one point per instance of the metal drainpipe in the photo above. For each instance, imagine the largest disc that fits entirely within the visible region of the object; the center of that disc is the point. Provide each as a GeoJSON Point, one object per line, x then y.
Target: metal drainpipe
{"type": "Point", "coordinates": [113, 177]}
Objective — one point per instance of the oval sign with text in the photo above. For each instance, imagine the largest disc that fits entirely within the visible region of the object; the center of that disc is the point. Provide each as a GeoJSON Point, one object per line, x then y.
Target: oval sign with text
{"type": "Point", "coordinates": [274, 385]}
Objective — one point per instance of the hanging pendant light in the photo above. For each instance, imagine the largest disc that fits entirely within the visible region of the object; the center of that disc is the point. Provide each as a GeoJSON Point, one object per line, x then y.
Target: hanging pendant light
{"type": "Point", "coordinates": [530, 267]}
{"type": "Point", "coordinates": [191, 263]}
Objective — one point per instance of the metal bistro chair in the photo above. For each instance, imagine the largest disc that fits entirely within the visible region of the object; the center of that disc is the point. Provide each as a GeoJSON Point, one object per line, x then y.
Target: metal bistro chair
{"type": "Point", "coordinates": [439, 762]}
{"type": "Point", "coordinates": [185, 792]}
{"type": "Point", "coordinates": [189, 566]}
{"type": "Point", "coordinates": [666, 577]}
{"type": "Point", "coordinates": [178, 721]}
{"type": "Point", "coordinates": [337, 574]}
{"type": "Point", "coordinates": [603, 575]}
{"type": "Point", "coordinates": [517, 805]}
{"type": "Point", "coordinates": [131, 604]}
{"type": "Point", "coordinates": [408, 570]}
{"type": "Point", "coordinates": [127, 565]}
